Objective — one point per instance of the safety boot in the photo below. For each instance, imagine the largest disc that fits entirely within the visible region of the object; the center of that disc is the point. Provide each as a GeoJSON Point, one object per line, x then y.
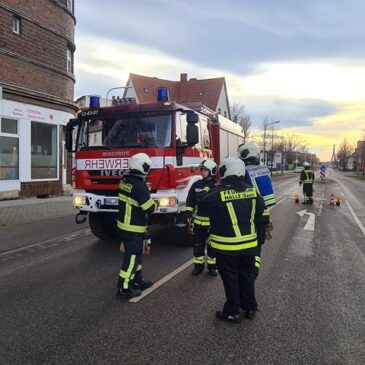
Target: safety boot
{"type": "Point", "coordinates": [198, 269]}
{"type": "Point", "coordinates": [128, 293]}
{"type": "Point", "coordinates": [213, 272]}
{"type": "Point", "coordinates": [142, 284]}
{"type": "Point", "coordinates": [251, 314]}
{"type": "Point", "coordinates": [233, 318]}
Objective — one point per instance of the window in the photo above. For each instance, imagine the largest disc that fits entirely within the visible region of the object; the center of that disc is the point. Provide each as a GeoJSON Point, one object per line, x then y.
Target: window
{"type": "Point", "coordinates": [205, 134]}
{"type": "Point", "coordinates": [69, 61]}
{"type": "Point", "coordinates": [70, 5]}
{"type": "Point", "coordinates": [16, 24]}
{"type": "Point", "coordinates": [201, 93]}
{"type": "Point", "coordinates": [9, 149]}
{"type": "Point", "coordinates": [43, 151]}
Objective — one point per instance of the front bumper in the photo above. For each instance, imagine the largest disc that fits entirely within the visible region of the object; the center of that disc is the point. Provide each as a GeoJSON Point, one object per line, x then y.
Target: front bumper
{"type": "Point", "coordinates": [88, 202]}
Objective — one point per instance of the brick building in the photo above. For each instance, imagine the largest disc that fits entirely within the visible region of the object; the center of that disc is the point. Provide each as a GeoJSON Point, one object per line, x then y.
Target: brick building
{"type": "Point", "coordinates": [36, 94]}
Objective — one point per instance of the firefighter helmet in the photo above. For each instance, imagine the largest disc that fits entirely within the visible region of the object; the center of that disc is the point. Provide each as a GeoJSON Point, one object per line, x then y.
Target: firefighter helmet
{"type": "Point", "coordinates": [209, 165]}
{"type": "Point", "coordinates": [232, 166]}
{"type": "Point", "coordinates": [140, 162]}
{"type": "Point", "coordinates": [248, 151]}
{"type": "Point", "coordinates": [306, 164]}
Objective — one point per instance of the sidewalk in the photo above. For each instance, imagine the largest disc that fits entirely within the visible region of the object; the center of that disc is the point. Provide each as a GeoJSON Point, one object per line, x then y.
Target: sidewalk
{"type": "Point", "coordinates": [29, 210]}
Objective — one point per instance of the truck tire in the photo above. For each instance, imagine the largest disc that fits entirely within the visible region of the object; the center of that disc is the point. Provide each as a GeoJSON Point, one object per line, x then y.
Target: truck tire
{"type": "Point", "coordinates": [103, 225]}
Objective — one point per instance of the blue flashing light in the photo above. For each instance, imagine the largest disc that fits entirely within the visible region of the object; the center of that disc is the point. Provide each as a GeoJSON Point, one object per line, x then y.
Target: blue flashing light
{"type": "Point", "coordinates": [163, 94]}
{"type": "Point", "coordinates": [94, 101]}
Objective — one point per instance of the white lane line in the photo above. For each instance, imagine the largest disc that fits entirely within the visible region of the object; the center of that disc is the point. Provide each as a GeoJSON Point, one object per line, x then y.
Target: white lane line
{"type": "Point", "coordinates": [279, 202]}
{"type": "Point", "coordinates": [309, 226]}
{"type": "Point", "coordinates": [320, 209]}
{"type": "Point", "coordinates": [175, 272]}
{"type": "Point", "coordinates": [162, 281]}
{"type": "Point", "coordinates": [357, 220]}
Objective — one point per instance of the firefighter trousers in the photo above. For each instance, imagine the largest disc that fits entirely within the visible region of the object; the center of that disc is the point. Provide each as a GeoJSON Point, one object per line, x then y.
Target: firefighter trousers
{"type": "Point", "coordinates": [238, 274]}
{"type": "Point", "coordinates": [308, 192]}
{"type": "Point", "coordinates": [200, 239]}
{"type": "Point", "coordinates": [132, 262]}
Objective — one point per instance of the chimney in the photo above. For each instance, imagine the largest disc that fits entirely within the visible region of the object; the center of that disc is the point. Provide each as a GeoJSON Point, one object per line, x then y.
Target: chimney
{"type": "Point", "coordinates": [183, 77]}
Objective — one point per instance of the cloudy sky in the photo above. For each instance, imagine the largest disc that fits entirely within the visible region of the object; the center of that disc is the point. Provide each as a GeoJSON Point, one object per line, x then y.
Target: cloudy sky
{"type": "Point", "coordinates": [302, 63]}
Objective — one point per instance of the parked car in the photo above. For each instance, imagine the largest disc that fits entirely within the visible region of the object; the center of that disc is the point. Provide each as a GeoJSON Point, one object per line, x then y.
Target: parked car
{"type": "Point", "coordinates": [299, 169]}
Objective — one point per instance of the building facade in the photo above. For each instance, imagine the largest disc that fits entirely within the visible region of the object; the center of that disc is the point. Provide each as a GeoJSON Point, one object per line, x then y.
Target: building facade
{"type": "Point", "coordinates": [36, 95]}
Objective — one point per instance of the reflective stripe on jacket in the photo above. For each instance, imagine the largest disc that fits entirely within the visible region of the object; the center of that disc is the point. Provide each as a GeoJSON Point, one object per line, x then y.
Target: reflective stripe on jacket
{"type": "Point", "coordinates": [134, 204]}
{"type": "Point", "coordinates": [234, 209]}
{"type": "Point", "coordinates": [258, 177]}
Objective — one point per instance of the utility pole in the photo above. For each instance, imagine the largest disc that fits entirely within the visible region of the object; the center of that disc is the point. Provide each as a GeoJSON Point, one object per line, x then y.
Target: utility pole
{"type": "Point", "coordinates": [265, 128]}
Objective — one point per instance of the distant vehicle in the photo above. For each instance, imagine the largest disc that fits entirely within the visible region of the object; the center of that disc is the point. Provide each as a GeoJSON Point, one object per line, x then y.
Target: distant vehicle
{"type": "Point", "coordinates": [299, 169]}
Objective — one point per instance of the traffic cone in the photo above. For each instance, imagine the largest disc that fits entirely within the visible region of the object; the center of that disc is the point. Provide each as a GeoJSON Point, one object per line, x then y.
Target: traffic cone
{"type": "Point", "coordinates": [338, 200]}
{"type": "Point", "coordinates": [332, 200]}
{"type": "Point", "coordinates": [296, 197]}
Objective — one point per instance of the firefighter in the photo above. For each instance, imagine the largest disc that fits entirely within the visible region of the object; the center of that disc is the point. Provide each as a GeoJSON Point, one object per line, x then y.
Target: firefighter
{"type": "Point", "coordinates": [259, 178]}
{"type": "Point", "coordinates": [194, 210]}
{"type": "Point", "coordinates": [234, 210]}
{"type": "Point", "coordinates": [134, 205]}
{"type": "Point", "coordinates": [307, 179]}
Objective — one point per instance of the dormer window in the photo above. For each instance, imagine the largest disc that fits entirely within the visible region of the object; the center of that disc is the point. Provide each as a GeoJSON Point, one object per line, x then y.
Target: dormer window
{"type": "Point", "coordinates": [146, 90]}
{"type": "Point", "coordinates": [16, 24]}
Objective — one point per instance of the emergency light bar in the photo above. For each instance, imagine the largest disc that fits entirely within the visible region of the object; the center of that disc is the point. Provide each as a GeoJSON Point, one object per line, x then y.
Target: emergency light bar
{"type": "Point", "coordinates": [163, 94]}
{"type": "Point", "coordinates": [94, 101]}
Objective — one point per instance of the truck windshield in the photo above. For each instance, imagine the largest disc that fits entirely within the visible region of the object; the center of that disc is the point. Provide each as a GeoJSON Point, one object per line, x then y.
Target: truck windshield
{"type": "Point", "coordinates": [129, 130]}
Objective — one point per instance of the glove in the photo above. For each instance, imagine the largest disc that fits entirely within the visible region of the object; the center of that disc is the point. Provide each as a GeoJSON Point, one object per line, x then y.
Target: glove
{"type": "Point", "coordinates": [147, 244]}
{"type": "Point", "coordinates": [268, 228]}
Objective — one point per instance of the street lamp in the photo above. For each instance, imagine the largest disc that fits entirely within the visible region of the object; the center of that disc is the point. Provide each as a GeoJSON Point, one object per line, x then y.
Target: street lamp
{"type": "Point", "coordinates": [265, 128]}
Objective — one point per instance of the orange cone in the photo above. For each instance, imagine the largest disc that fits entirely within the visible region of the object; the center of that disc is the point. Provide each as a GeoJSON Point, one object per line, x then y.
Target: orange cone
{"type": "Point", "coordinates": [296, 197]}
{"type": "Point", "coordinates": [332, 200]}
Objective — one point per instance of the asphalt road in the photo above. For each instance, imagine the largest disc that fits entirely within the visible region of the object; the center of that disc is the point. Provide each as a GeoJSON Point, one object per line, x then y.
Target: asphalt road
{"type": "Point", "coordinates": [58, 305]}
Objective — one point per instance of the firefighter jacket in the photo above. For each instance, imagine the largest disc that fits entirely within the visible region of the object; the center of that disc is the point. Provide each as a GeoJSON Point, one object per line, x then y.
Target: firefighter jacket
{"type": "Point", "coordinates": [258, 177]}
{"type": "Point", "coordinates": [307, 176]}
{"type": "Point", "coordinates": [234, 210]}
{"type": "Point", "coordinates": [193, 207]}
{"type": "Point", "coordinates": [134, 204]}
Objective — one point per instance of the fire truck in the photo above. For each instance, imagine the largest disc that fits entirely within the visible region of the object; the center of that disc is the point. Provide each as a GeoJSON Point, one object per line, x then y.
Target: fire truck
{"type": "Point", "coordinates": [176, 137]}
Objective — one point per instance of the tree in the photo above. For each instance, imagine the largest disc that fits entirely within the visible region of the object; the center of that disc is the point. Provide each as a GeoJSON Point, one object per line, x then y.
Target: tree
{"type": "Point", "coordinates": [294, 148]}
{"type": "Point", "coordinates": [240, 116]}
{"type": "Point", "coordinates": [344, 152]}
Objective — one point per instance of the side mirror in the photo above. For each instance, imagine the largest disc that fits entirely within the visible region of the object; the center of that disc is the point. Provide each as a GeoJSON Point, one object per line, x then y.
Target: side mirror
{"type": "Point", "coordinates": [192, 134]}
{"type": "Point", "coordinates": [191, 117]}
{"type": "Point", "coordinates": [69, 130]}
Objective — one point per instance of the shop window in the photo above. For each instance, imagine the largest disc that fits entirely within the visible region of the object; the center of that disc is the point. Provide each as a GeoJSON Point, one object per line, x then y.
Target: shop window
{"type": "Point", "coordinates": [9, 149]}
{"type": "Point", "coordinates": [16, 24]}
{"type": "Point", "coordinates": [43, 151]}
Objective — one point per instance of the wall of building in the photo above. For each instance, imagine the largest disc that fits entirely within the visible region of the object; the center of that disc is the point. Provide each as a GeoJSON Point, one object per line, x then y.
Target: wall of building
{"type": "Point", "coordinates": [36, 95]}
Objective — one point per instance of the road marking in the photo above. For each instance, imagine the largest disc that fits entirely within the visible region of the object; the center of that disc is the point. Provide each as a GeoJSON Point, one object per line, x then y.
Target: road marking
{"type": "Point", "coordinates": [320, 209]}
{"type": "Point", "coordinates": [279, 202]}
{"type": "Point", "coordinates": [48, 243]}
{"type": "Point", "coordinates": [309, 226]}
{"type": "Point", "coordinates": [162, 281]}
{"type": "Point", "coordinates": [357, 220]}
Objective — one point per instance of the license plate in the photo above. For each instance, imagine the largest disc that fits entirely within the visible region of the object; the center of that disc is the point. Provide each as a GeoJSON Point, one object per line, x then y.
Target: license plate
{"type": "Point", "coordinates": [111, 201]}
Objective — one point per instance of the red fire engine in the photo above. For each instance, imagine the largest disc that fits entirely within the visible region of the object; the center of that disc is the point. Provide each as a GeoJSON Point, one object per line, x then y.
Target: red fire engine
{"type": "Point", "coordinates": [176, 137]}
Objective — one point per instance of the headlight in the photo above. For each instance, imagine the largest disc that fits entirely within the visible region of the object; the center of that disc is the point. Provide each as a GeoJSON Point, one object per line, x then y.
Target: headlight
{"type": "Point", "coordinates": [167, 202]}
{"type": "Point", "coordinates": [79, 200]}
